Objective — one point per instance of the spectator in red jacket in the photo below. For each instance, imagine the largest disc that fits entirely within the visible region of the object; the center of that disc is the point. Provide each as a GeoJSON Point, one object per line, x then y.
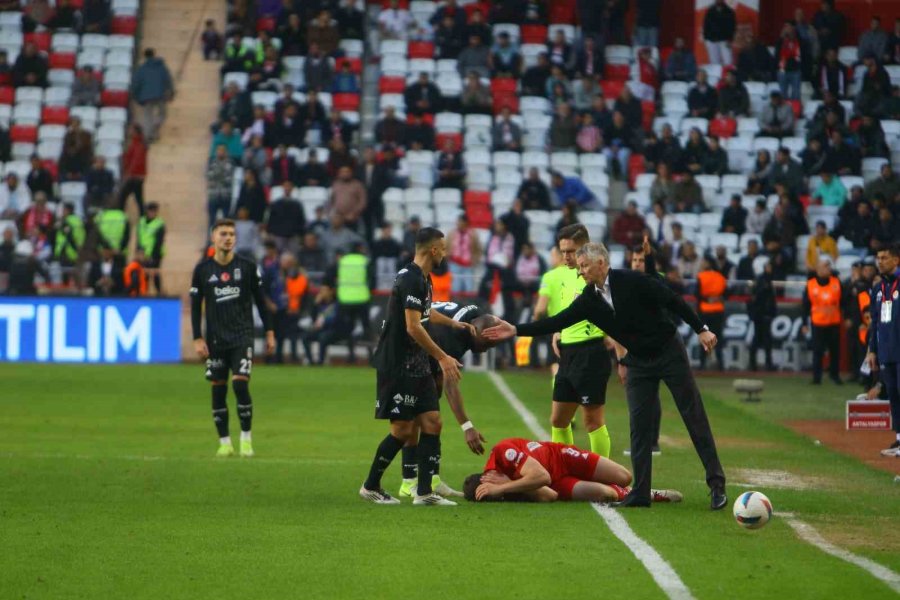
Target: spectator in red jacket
{"type": "Point", "coordinates": [628, 228]}
{"type": "Point", "coordinates": [134, 168]}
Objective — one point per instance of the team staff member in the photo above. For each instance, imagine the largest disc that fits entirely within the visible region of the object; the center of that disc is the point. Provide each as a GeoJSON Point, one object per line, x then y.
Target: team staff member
{"type": "Point", "coordinates": [884, 337]}
{"type": "Point", "coordinates": [632, 308]}
{"type": "Point", "coordinates": [584, 363]}
{"type": "Point", "coordinates": [405, 393]}
{"type": "Point", "coordinates": [642, 261]}
{"type": "Point", "coordinates": [711, 288]}
{"type": "Point", "coordinates": [229, 285]}
{"type": "Point", "coordinates": [822, 302]}
{"type": "Point", "coordinates": [151, 238]}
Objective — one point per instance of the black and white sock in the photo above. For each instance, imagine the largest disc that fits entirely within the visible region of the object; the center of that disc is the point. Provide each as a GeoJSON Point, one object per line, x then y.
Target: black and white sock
{"type": "Point", "coordinates": [384, 456]}
{"type": "Point", "coordinates": [220, 411]}
{"type": "Point", "coordinates": [244, 403]}
{"type": "Point", "coordinates": [410, 466]}
{"type": "Point", "coordinates": [429, 461]}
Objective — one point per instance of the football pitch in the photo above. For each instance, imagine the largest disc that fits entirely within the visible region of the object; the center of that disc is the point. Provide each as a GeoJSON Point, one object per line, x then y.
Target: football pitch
{"type": "Point", "coordinates": [109, 489]}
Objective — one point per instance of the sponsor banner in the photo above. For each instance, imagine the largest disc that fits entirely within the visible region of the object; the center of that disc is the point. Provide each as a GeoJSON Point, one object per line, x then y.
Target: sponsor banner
{"type": "Point", "coordinates": [746, 14]}
{"type": "Point", "coordinates": [90, 330]}
{"type": "Point", "coordinates": [868, 415]}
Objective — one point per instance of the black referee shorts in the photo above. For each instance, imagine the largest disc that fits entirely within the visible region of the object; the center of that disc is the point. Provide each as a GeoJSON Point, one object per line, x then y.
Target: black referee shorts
{"type": "Point", "coordinates": [584, 371]}
{"type": "Point", "coordinates": [238, 360]}
{"type": "Point", "coordinates": [403, 398]}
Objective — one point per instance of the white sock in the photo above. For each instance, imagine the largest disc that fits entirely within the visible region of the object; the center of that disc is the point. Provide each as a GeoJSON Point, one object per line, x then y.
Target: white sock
{"type": "Point", "coordinates": [225, 441]}
{"type": "Point", "coordinates": [245, 436]}
{"type": "Point", "coordinates": [898, 437]}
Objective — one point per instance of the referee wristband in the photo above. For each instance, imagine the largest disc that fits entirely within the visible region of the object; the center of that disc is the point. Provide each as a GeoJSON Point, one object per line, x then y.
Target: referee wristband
{"type": "Point", "coordinates": [467, 426]}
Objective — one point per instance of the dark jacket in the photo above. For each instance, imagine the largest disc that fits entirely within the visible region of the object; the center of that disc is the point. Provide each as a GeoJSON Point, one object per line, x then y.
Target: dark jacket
{"type": "Point", "coordinates": [719, 23]}
{"type": "Point", "coordinates": [286, 218]}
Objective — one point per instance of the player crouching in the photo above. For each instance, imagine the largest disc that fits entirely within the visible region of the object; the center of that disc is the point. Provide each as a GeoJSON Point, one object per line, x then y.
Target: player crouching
{"type": "Point", "coordinates": [526, 470]}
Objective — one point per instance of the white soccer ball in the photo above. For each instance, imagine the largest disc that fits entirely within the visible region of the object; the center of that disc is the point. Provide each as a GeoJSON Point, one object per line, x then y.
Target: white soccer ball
{"type": "Point", "coordinates": [752, 510]}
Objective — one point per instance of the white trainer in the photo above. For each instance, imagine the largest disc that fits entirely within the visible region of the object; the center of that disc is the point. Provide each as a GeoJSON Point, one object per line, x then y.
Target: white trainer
{"type": "Point", "coordinates": [432, 499]}
{"type": "Point", "coordinates": [377, 496]}
{"type": "Point", "coordinates": [666, 495]}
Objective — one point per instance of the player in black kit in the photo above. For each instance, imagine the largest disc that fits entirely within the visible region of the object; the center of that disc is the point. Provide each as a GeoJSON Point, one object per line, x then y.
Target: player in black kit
{"type": "Point", "coordinates": [406, 394]}
{"type": "Point", "coordinates": [229, 285]}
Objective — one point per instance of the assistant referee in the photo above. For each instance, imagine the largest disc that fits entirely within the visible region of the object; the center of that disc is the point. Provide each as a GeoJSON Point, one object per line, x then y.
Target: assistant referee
{"type": "Point", "coordinates": [632, 308]}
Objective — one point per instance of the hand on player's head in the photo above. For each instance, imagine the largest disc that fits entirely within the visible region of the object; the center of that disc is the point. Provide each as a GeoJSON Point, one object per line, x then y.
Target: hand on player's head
{"type": "Point", "coordinates": [479, 342]}
{"type": "Point", "coordinates": [499, 332]}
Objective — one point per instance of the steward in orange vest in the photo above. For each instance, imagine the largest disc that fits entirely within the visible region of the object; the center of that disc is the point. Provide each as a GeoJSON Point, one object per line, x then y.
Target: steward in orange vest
{"type": "Point", "coordinates": [134, 275]}
{"type": "Point", "coordinates": [822, 302]}
{"type": "Point", "coordinates": [711, 288]}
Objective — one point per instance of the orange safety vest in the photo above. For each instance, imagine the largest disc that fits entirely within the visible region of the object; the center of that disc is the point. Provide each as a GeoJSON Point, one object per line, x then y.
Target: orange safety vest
{"type": "Point", "coordinates": [825, 302]}
{"type": "Point", "coordinates": [865, 319]}
{"type": "Point", "coordinates": [135, 269]}
{"type": "Point", "coordinates": [440, 287]}
{"type": "Point", "coordinates": [711, 290]}
{"type": "Point", "coordinates": [296, 288]}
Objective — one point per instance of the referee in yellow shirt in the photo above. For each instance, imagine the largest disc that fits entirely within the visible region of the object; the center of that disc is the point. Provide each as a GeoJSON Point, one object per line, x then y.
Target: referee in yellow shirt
{"type": "Point", "coordinates": [584, 363]}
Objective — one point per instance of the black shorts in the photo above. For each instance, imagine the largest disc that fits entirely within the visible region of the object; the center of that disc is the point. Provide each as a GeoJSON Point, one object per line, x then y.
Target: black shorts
{"type": "Point", "coordinates": [584, 371]}
{"type": "Point", "coordinates": [403, 398]}
{"type": "Point", "coordinates": [238, 360]}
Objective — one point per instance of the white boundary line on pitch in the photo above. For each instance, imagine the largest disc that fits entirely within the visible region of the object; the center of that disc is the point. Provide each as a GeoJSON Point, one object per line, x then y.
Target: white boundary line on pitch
{"type": "Point", "coordinates": [809, 534]}
{"type": "Point", "coordinates": [660, 570]}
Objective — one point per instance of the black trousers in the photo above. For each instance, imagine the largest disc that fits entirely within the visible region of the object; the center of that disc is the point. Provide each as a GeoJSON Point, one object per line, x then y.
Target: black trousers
{"type": "Point", "coordinates": [132, 185]}
{"type": "Point", "coordinates": [349, 314]}
{"type": "Point", "coordinates": [673, 368]}
{"type": "Point", "coordinates": [716, 322]}
{"type": "Point", "coordinates": [762, 340]}
{"type": "Point", "coordinates": [285, 330]}
{"type": "Point", "coordinates": [826, 339]}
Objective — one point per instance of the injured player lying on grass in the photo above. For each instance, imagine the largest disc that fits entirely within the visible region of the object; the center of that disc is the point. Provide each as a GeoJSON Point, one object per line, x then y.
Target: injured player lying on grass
{"type": "Point", "coordinates": [529, 471]}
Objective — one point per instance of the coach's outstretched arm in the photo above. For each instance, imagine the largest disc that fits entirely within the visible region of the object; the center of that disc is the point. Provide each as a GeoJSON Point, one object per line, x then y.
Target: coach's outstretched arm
{"type": "Point", "coordinates": [573, 314]}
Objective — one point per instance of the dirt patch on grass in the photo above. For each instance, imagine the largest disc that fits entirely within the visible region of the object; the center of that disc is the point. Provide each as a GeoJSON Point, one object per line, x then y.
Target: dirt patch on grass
{"type": "Point", "coordinates": [769, 478]}
{"type": "Point", "coordinates": [864, 445]}
{"type": "Point", "coordinates": [879, 533]}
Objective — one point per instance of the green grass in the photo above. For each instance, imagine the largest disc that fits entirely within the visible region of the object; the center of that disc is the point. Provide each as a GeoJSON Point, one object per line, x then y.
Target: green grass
{"type": "Point", "coordinates": [108, 489]}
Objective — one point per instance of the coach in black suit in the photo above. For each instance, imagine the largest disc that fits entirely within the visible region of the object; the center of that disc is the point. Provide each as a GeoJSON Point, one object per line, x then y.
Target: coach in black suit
{"type": "Point", "coordinates": [631, 308]}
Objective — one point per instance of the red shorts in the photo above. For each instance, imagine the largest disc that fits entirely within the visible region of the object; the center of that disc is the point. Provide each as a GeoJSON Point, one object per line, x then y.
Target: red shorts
{"type": "Point", "coordinates": [576, 466]}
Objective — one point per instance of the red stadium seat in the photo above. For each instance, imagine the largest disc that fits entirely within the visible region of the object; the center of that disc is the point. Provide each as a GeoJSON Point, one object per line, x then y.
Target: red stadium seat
{"type": "Point", "coordinates": [355, 64]}
{"type": "Point", "coordinates": [23, 133]}
{"type": "Point", "coordinates": [484, 7]}
{"type": "Point", "coordinates": [420, 50]}
{"type": "Point", "coordinates": [501, 101]}
{"type": "Point", "coordinates": [648, 111]}
{"type": "Point", "coordinates": [534, 34]}
{"type": "Point", "coordinates": [6, 79]}
{"type": "Point", "coordinates": [114, 98]}
{"type": "Point", "coordinates": [480, 217]}
{"type": "Point", "coordinates": [391, 85]}
{"type": "Point", "coordinates": [456, 138]}
{"type": "Point", "coordinates": [265, 24]}
{"type": "Point", "coordinates": [7, 95]}
{"type": "Point", "coordinates": [612, 89]}
{"type": "Point", "coordinates": [427, 118]}
{"type": "Point", "coordinates": [39, 39]}
{"type": "Point", "coordinates": [798, 108]}
{"type": "Point", "coordinates": [664, 53]}
{"type": "Point", "coordinates": [55, 115]}
{"type": "Point", "coordinates": [476, 198]}
{"type": "Point", "coordinates": [562, 11]}
{"type": "Point", "coordinates": [345, 101]}
{"type": "Point", "coordinates": [723, 127]}
{"type": "Point", "coordinates": [635, 168]}
{"type": "Point", "coordinates": [50, 165]}
{"type": "Point", "coordinates": [62, 60]}
{"type": "Point", "coordinates": [503, 85]}
{"type": "Point", "coordinates": [404, 4]}
{"type": "Point", "coordinates": [616, 72]}
{"type": "Point", "coordinates": [124, 25]}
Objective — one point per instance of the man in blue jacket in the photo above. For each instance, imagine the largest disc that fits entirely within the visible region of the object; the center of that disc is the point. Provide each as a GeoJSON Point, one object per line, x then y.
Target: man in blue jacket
{"type": "Point", "coordinates": [152, 88]}
{"type": "Point", "coordinates": [884, 334]}
{"type": "Point", "coordinates": [572, 188]}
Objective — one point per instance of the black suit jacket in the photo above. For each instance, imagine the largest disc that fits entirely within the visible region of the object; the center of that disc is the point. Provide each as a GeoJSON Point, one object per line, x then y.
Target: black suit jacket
{"type": "Point", "coordinates": [640, 321]}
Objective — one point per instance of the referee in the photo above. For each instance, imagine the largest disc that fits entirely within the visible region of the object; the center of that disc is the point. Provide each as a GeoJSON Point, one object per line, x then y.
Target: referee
{"type": "Point", "coordinates": [584, 363]}
{"type": "Point", "coordinates": [884, 334]}
{"type": "Point", "coordinates": [229, 285]}
{"type": "Point", "coordinates": [632, 308]}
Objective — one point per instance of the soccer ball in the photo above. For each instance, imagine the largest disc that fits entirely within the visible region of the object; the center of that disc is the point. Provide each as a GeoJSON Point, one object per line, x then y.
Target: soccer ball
{"type": "Point", "coordinates": [752, 510]}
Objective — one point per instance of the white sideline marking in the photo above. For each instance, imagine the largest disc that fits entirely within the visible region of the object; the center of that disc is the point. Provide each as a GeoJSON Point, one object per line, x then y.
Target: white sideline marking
{"type": "Point", "coordinates": [809, 534]}
{"type": "Point", "coordinates": [660, 570]}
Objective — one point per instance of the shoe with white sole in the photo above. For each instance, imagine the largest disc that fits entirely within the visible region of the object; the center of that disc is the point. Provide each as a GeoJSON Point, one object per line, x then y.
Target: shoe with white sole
{"type": "Point", "coordinates": [433, 499]}
{"type": "Point", "coordinates": [442, 489]}
{"type": "Point", "coordinates": [377, 496]}
{"type": "Point", "coordinates": [666, 496]}
{"type": "Point", "coordinates": [892, 450]}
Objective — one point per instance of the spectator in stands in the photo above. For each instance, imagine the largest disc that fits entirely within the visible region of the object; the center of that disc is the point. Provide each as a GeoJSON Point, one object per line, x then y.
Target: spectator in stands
{"type": "Point", "coordinates": [236, 106]}
{"type": "Point", "coordinates": [873, 41]}
{"type": "Point", "coordinates": [568, 216]}
{"type": "Point", "coordinates": [339, 155]}
{"type": "Point", "coordinates": [211, 41]}
{"type": "Point", "coordinates": [830, 115]}
{"type": "Point", "coordinates": [219, 175]}
{"type": "Point", "coordinates": [292, 36]}
{"type": "Point", "coordinates": [7, 251]}
{"type": "Point", "coordinates": [323, 31]}
{"type": "Point", "coordinates": [449, 167]}
{"type": "Point", "coordinates": [759, 217]}
{"type": "Point", "coordinates": [787, 172]}
{"type": "Point", "coordinates": [500, 257]}
{"type": "Point", "coordinates": [348, 198]}
{"type": "Point", "coordinates": [152, 88]}
{"type": "Point", "coordinates": [77, 151]}
{"type": "Point", "coordinates": [288, 129]}
{"type": "Point", "coordinates": [36, 13]}
{"type": "Point", "coordinates": [760, 178]}
{"type": "Point", "coordinates": [506, 135]}
{"type": "Point", "coordinates": [30, 68]}
{"type": "Point", "coordinates": [558, 86]}
{"type": "Point", "coordinates": [317, 70]}
{"type": "Point", "coordinates": [745, 271]}
{"type": "Point", "coordinates": [647, 84]}
{"type": "Point", "coordinates": [85, 88]}
{"type": "Point", "coordinates": [517, 224]}
{"type": "Point", "coordinates": [762, 310]}
{"type": "Point", "coordinates": [419, 134]}
{"type": "Point", "coordinates": [892, 53]}
{"type": "Point", "coordinates": [39, 178]}
{"type": "Point", "coordinates": [64, 17]}
{"type": "Point", "coordinates": [681, 64]}
{"type": "Point", "coordinates": [106, 272]}
{"type": "Point", "coordinates": [584, 91]}
{"type": "Point", "coordinates": [572, 189]}
{"type": "Point", "coordinates": [238, 58]}
{"type": "Point", "coordinates": [715, 162]}
{"type": "Point", "coordinates": [777, 117]}
{"type": "Point", "coordinates": [663, 187]}
{"type": "Point", "coordinates": [313, 172]}
{"type": "Point", "coordinates": [478, 26]}
{"type": "Point", "coordinates": [630, 107]}
{"type": "Point", "coordinates": [533, 192]}
{"type": "Point", "coordinates": [860, 229]}
{"type": "Point", "coordinates": [37, 220]}
{"type": "Point", "coordinates": [674, 245]}
{"type": "Point", "coordinates": [504, 59]}
{"type": "Point", "coordinates": [589, 137]}
{"type": "Point", "coordinates": [719, 24]}
{"type": "Point", "coordinates": [386, 252]}
{"type": "Point", "coordinates": [256, 157]}
{"type": "Point", "coordinates": [350, 20]}
{"type": "Point", "coordinates": [807, 34]}
{"type": "Point", "coordinates": [721, 263]}
{"type": "Point", "coordinates": [559, 52]}
{"type": "Point", "coordinates": [829, 25]}
{"type": "Point", "coordinates": [463, 254]}
{"type": "Point", "coordinates": [813, 158]}
{"type": "Point", "coordinates": [6, 75]}
{"type": "Point", "coordinates": [345, 81]}
{"type": "Point", "coordinates": [99, 183]}
{"type": "Point", "coordinates": [887, 184]}
{"type": "Point", "coordinates": [15, 198]}
{"type": "Point", "coordinates": [529, 269]}
{"type": "Point", "coordinates": [703, 100]}
{"type": "Point", "coordinates": [831, 192]}
{"type": "Point", "coordinates": [286, 220]}
{"type": "Point", "coordinates": [311, 256]}
{"type": "Point", "coordinates": [646, 25]}
{"type": "Point", "coordinates": [688, 261]}
{"type": "Point", "coordinates": [326, 327]}
{"type": "Point", "coordinates": [563, 129]}
{"type": "Point", "coordinates": [409, 238]}
{"type": "Point", "coordinates": [660, 223]}
{"type": "Point", "coordinates": [779, 235]}
{"type": "Point", "coordinates": [734, 218]}
{"type": "Point", "coordinates": [474, 58]}
{"type": "Point", "coordinates": [96, 16]}
{"type": "Point", "coordinates": [620, 138]}
{"type": "Point", "coordinates": [252, 197]}
{"type": "Point", "coordinates": [230, 138]}
{"type": "Point", "coordinates": [887, 230]}
{"type": "Point", "coordinates": [389, 130]}
{"type": "Point", "coordinates": [892, 104]}
{"type": "Point", "coordinates": [841, 157]}
{"type": "Point", "coordinates": [284, 167]}
{"type": "Point", "coordinates": [688, 195]}
{"type": "Point", "coordinates": [833, 76]}
{"type": "Point", "coordinates": [874, 90]}
{"type": "Point", "coordinates": [270, 71]}
{"type": "Point", "coordinates": [589, 60]}
{"type": "Point", "coordinates": [695, 152]}
{"type": "Point", "coordinates": [534, 80]}
{"type": "Point", "coordinates": [734, 101]}
{"type": "Point", "coordinates": [791, 60]}
{"type": "Point", "coordinates": [870, 137]}
{"type": "Point", "coordinates": [448, 38]}
{"type": "Point", "coordinates": [628, 227]}
{"type": "Point", "coordinates": [422, 96]}
{"type": "Point", "coordinates": [394, 22]}
{"type": "Point", "coordinates": [337, 127]}
{"type": "Point", "coordinates": [669, 149]}
{"type": "Point", "coordinates": [754, 62]}
{"type": "Point", "coordinates": [475, 98]}
{"type": "Point", "coordinates": [821, 245]}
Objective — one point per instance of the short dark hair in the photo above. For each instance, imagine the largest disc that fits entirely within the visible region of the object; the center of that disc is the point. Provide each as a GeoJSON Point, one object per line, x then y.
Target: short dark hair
{"type": "Point", "coordinates": [470, 484]}
{"type": "Point", "coordinates": [223, 223]}
{"type": "Point", "coordinates": [638, 249]}
{"type": "Point", "coordinates": [427, 236]}
{"type": "Point", "coordinates": [149, 53]}
{"type": "Point", "coordinates": [892, 249]}
{"type": "Point", "coordinates": [576, 232]}
{"type": "Point", "coordinates": [153, 206]}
